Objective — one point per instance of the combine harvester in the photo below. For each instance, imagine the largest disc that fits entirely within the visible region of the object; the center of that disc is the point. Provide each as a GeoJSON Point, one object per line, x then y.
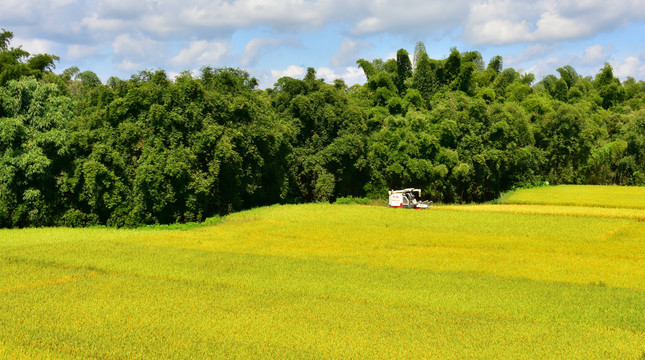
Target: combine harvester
{"type": "Point", "coordinates": [405, 199]}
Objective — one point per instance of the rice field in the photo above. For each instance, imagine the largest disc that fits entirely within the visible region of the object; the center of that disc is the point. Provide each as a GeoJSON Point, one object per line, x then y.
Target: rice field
{"type": "Point", "coordinates": [630, 197]}
{"type": "Point", "coordinates": [327, 281]}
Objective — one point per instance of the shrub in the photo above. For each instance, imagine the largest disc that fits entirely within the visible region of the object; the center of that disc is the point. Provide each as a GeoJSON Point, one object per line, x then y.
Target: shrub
{"type": "Point", "coordinates": [352, 200]}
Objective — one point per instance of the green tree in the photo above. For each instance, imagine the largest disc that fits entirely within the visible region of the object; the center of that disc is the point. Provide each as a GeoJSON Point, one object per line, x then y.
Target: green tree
{"type": "Point", "coordinates": [564, 135]}
{"type": "Point", "coordinates": [569, 75]}
{"type": "Point", "coordinates": [496, 64]}
{"type": "Point", "coordinates": [403, 70]}
{"type": "Point", "coordinates": [368, 68]}
{"type": "Point", "coordinates": [35, 152]}
{"type": "Point", "coordinates": [16, 62]}
{"type": "Point", "coordinates": [424, 79]}
{"type": "Point", "coordinates": [452, 67]}
{"type": "Point", "coordinates": [560, 91]}
{"type": "Point", "coordinates": [419, 50]}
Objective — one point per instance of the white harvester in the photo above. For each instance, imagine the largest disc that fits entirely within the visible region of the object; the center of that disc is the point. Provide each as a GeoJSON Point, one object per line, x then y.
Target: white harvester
{"type": "Point", "coordinates": [406, 199]}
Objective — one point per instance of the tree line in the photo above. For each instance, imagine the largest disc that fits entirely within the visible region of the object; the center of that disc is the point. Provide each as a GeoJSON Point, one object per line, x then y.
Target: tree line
{"type": "Point", "coordinates": [150, 149]}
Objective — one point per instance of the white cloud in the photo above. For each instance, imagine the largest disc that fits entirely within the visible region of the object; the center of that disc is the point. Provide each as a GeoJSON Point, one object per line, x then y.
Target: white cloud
{"type": "Point", "coordinates": [174, 74]}
{"type": "Point", "coordinates": [630, 66]}
{"type": "Point", "coordinates": [541, 63]}
{"type": "Point", "coordinates": [15, 9]}
{"type": "Point", "coordinates": [61, 3]}
{"type": "Point", "coordinates": [479, 21]}
{"type": "Point", "coordinates": [122, 9]}
{"type": "Point", "coordinates": [511, 21]}
{"type": "Point", "coordinates": [126, 44]}
{"type": "Point", "coordinates": [348, 52]}
{"type": "Point", "coordinates": [554, 26]}
{"type": "Point", "coordinates": [277, 13]}
{"type": "Point", "coordinates": [499, 22]}
{"type": "Point", "coordinates": [76, 51]}
{"type": "Point", "coordinates": [499, 31]}
{"type": "Point", "coordinates": [531, 52]}
{"type": "Point", "coordinates": [141, 32]}
{"type": "Point", "coordinates": [594, 58]}
{"type": "Point", "coordinates": [547, 66]}
{"type": "Point", "coordinates": [128, 65]}
{"type": "Point", "coordinates": [326, 73]}
{"type": "Point", "coordinates": [351, 75]}
{"type": "Point", "coordinates": [412, 16]}
{"type": "Point", "coordinates": [269, 78]}
{"type": "Point", "coordinates": [94, 23]}
{"type": "Point", "coordinates": [34, 46]}
{"type": "Point", "coordinates": [293, 71]}
{"type": "Point", "coordinates": [596, 54]}
{"type": "Point", "coordinates": [224, 17]}
{"type": "Point", "coordinates": [253, 48]}
{"type": "Point", "coordinates": [202, 52]}
{"type": "Point", "coordinates": [259, 46]}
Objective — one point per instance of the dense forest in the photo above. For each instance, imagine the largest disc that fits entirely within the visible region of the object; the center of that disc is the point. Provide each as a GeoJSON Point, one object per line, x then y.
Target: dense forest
{"type": "Point", "coordinates": [150, 149]}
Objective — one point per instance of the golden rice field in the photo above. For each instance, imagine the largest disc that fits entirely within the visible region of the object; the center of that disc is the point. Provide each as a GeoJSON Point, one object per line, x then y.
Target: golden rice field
{"type": "Point", "coordinates": [336, 282]}
{"type": "Point", "coordinates": [631, 197]}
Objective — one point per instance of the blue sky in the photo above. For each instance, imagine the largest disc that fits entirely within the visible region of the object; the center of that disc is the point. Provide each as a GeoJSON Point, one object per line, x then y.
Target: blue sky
{"type": "Point", "coordinates": [271, 39]}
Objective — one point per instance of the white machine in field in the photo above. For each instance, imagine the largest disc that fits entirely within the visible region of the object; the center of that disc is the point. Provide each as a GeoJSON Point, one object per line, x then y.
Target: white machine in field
{"type": "Point", "coordinates": [406, 199]}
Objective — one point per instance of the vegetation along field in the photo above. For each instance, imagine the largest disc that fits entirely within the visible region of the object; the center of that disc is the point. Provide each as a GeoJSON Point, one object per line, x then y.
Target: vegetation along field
{"type": "Point", "coordinates": [510, 281]}
{"type": "Point", "coordinates": [156, 148]}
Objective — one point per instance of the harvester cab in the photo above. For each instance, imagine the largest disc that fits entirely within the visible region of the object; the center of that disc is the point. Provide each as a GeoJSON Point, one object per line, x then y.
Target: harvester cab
{"type": "Point", "coordinates": [406, 198]}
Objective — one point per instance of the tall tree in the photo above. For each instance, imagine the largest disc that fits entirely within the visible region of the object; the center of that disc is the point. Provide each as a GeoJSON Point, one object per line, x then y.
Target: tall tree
{"type": "Point", "coordinates": [368, 68]}
{"type": "Point", "coordinates": [419, 49]}
{"type": "Point", "coordinates": [496, 64]}
{"type": "Point", "coordinates": [569, 75]}
{"type": "Point", "coordinates": [403, 69]}
{"type": "Point", "coordinates": [452, 67]}
{"type": "Point", "coordinates": [424, 78]}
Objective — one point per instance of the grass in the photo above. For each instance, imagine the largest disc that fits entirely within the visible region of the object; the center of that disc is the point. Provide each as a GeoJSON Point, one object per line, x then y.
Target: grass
{"type": "Point", "coordinates": [333, 281]}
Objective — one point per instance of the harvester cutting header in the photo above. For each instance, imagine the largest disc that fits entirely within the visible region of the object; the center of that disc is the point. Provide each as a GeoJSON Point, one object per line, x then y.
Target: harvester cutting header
{"type": "Point", "coordinates": [406, 199]}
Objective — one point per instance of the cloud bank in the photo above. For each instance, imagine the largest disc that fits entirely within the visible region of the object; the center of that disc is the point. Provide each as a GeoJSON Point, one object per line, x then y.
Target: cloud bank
{"type": "Point", "coordinates": [191, 33]}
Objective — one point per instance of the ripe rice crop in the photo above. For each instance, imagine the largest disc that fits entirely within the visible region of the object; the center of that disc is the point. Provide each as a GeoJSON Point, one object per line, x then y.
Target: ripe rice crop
{"type": "Point", "coordinates": [332, 281]}
{"type": "Point", "coordinates": [630, 197]}
{"type": "Point", "coordinates": [618, 213]}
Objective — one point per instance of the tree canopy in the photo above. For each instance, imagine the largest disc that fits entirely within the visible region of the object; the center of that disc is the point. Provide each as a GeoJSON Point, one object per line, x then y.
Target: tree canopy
{"type": "Point", "coordinates": [149, 149]}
